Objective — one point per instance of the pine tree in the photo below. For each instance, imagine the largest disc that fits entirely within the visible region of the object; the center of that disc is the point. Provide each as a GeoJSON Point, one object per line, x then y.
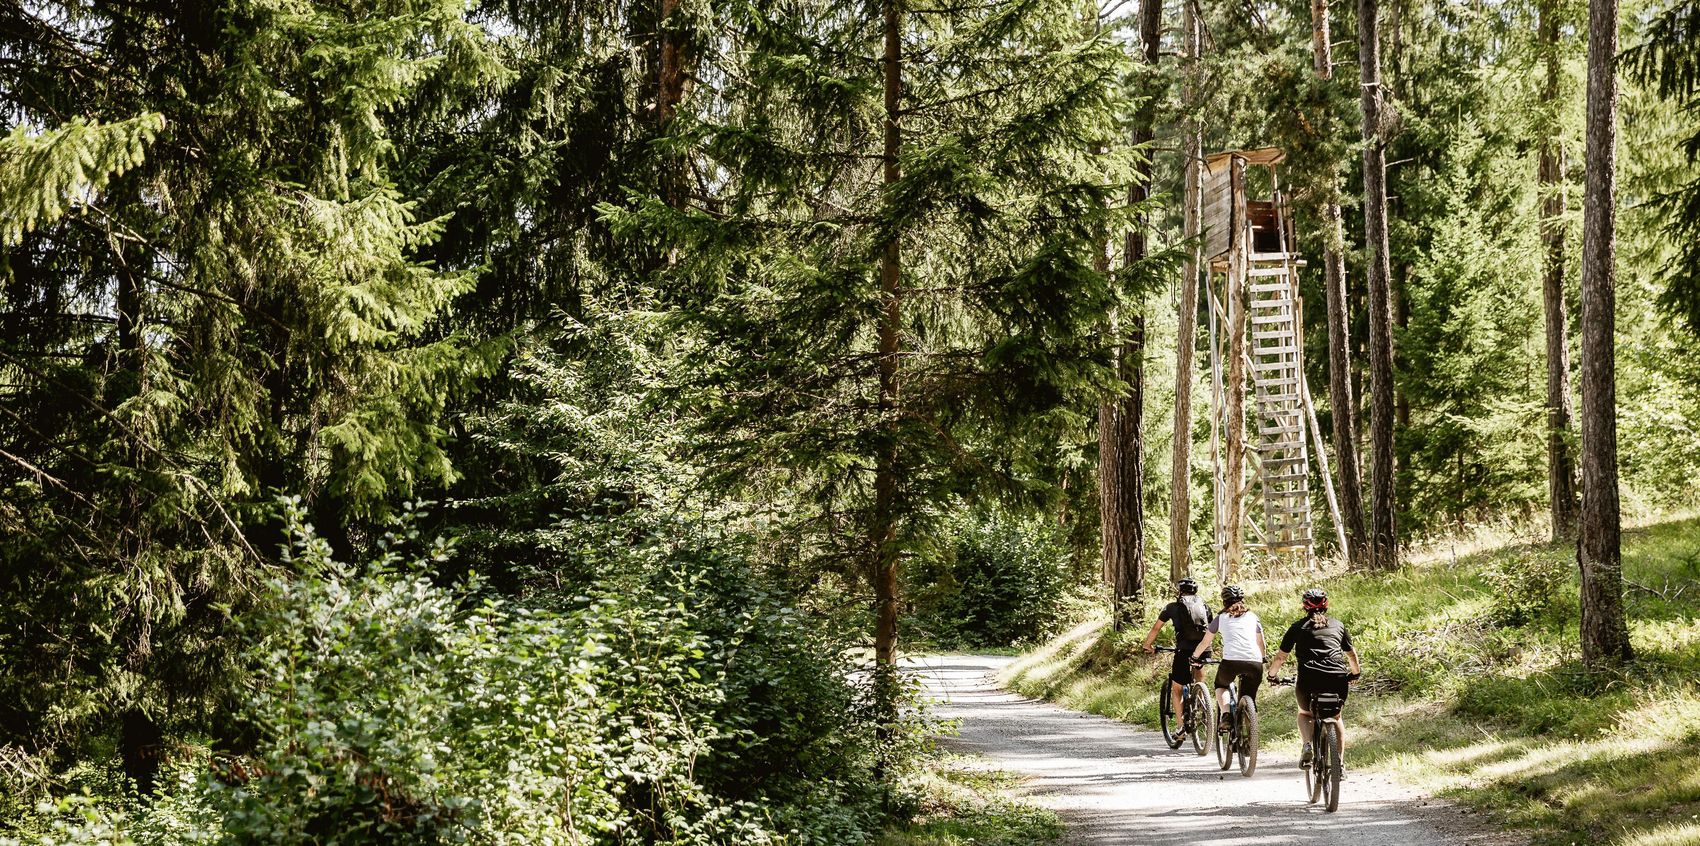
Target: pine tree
{"type": "Point", "coordinates": [887, 305]}
{"type": "Point", "coordinates": [242, 312]}
{"type": "Point", "coordinates": [1384, 537]}
{"type": "Point", "coordinates": [1605, 631]}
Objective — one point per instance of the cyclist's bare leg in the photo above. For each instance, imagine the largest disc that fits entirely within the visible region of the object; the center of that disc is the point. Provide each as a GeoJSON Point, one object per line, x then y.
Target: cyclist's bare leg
{"type": "Point", "coordinates": [1307, 731]}
{"type": "Point", "coordinates": [1175, 697]}
{"type": "Point", "coordinates": [1222, 699]}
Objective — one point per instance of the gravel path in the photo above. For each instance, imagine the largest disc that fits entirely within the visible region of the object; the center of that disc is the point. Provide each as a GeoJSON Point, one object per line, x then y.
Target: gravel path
{"type": "Point", "coordinates": [1113, 783]}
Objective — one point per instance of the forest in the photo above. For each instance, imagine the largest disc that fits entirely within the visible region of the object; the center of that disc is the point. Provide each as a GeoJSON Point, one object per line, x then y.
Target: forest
{"type": "Point", "coordinates": [448, 421]}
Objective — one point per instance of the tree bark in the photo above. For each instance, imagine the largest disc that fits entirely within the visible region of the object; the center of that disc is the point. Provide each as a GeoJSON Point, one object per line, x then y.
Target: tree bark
{"type": "Point", "coordinates": [1233, 400]}
{"type": "Point", "coordinates": [1180, 466]}
{"type": "Point", "coordinates": [883, 545]}
{"type": "Point", "coordinates": [1341, 397]}
{"type": "Point", "coordinates": [1384, 551]}
{"type": "Point", "coordinates": [1561, 466]}
{"type": "Point", "coordinates": [1121, 467]}
{"type": "Point", "coordinates": [670, 92]}
{"type": "Point", "coordinates": [1605, 632]}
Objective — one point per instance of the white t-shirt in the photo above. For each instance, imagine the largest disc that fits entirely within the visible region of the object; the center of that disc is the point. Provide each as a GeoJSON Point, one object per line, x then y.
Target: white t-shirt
{"type": "Point", "coordinates": [1238, 636]}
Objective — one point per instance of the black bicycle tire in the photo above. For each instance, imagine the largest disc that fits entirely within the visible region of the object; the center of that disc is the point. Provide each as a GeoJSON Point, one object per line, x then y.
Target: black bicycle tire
{"type": "Point", "coordinates": [1204, 723]}
{"type": "Point", "coordinates": [1225, 747]}
{"type": "Point", "coordinates": [1248, 736]}
{"type": "Point", "coordinates": [1332, 729]}
{"type": "Point", "coordinates": [1166, 716]}
{"type": "Point", "coordinates": [1315, 776]}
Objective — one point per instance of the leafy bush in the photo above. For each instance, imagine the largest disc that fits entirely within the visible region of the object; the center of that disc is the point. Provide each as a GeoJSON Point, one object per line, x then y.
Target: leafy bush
{"type": "Point", "coordinates": [1001, 581]}
{"type": "Point", "coordinates": [1521, 587]}
{"type": "Point", "coordinates": [688, 707]}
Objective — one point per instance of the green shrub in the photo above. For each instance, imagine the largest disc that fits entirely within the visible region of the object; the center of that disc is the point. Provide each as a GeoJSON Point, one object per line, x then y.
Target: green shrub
{"type": "Point", "coordinates": [1000, 581]}
{"type": "Point", "coordinates": [686, 707]}
{"type": "Point", "coordinates": [1523, 586]}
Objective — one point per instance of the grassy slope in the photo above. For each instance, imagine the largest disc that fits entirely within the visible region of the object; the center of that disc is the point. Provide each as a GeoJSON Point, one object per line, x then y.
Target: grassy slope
{"type": "Point", "coordinates": [962, 802]}
{"type": "Point", "coordinates": [1497, 716]}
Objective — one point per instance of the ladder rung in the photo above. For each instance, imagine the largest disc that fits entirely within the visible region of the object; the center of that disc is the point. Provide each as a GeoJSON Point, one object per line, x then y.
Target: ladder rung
{"type": "Point", "coordinates": [1276, 383]}
{"type": "Point", "coordinates": [1280, 462]}
{"type": "Point", "coordinates": [1266, 319]}
{"type": "Point", "coordinates": [1272, 334]}
{"type": "Point", "coordinates": [1288, 350]}
{"type": "Point", "coordinates": [1285, 477]}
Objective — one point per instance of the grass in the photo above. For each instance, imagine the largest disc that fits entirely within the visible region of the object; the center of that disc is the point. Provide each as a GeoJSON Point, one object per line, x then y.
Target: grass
{"type": "Point", "coordinates": [961, 801]}
{"type": "Point", "coordinates": [1477, 698]}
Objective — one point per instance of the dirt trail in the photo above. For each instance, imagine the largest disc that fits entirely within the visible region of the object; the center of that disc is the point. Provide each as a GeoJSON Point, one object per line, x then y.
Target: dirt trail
{"type": "Point", "coordinates": [1113, 783]}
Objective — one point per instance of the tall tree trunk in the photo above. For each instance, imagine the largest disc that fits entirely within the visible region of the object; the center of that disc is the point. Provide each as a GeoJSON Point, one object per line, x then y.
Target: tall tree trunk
{"type": "Point", "coordinates": [1605, 633]}
{"type": "Point", "coordinates": [1384, 551]}
{"type": "Point", "coordinates": [139, 748]}
{"type": "Point", "coordinates": [883, 545]}
{"type": "Point", "coordinates": [1180, 465]}
{"type": "Point", "coordinates": [1561, 466]}
{"type": "Point", "coordinates": [1341, 397]}
{"type": "Point", "coordinates": [1233, 400]}
{"type": "Point", "coordinates": [670, 92]}
{"type": "Point", "coordinates": [1122, 466]}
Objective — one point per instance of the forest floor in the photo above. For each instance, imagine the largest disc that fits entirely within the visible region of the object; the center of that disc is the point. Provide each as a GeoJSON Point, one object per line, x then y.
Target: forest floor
{"type": "Point", "coordinates": [1114, 783]}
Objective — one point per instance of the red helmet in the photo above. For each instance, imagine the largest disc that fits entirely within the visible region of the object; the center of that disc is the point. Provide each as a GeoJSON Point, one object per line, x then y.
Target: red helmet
{"type": "Point", "coordinates": [1315, 600]}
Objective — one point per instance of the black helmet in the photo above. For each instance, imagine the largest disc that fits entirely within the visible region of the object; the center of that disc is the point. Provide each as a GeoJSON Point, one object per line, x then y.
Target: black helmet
{"type": "Point", "coordinates": [1187, 587]}
{"type": "Point", "coordinates": [1232, 594]}
{"type": "Point", "coordinates": [1316, 599]}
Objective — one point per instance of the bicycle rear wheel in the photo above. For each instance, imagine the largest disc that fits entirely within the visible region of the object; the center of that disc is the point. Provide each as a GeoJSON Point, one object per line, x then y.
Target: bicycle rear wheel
{"type": "Point", "coordinates": [1319, 754]}
{"type": "Point", "coordinates": [1203, 719]}
{"type": "Point", "coordinates": [1332, 731]}
{"type": "Point", "coordinates": [1224, 748]}
{"type": "Point", "coordinates": [1166, 716]}
{"type": "Point", "coordinates": [1248, 736]}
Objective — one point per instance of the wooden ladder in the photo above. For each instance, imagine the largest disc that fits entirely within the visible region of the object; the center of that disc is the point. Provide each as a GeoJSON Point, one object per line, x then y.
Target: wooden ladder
{"type": "Point", "coordinates": [1276, 355]}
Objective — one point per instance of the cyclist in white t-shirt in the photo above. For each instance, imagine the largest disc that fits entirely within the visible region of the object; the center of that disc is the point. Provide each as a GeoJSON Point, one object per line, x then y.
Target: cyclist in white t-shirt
{"type": "Point", "coordinates": [1243, 649]}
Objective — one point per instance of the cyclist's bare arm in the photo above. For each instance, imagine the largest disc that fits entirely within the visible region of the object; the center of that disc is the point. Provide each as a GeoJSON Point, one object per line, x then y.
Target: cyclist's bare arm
{"type": "Point", "coordinates": [1262, 648]}
{"type": "Point", "coordinates": [1353, 657]}
{"type": "Point", "coordinates": [1204, 645]}
{"type": "Point", "coordinates": [1275, 665]}
{"type": "Point", "coordinates": [1151, 636]}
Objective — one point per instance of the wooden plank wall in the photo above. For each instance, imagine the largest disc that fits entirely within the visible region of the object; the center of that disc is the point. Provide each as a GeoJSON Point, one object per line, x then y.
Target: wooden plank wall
{"type": "Point", "coordinates": [1217, 201]}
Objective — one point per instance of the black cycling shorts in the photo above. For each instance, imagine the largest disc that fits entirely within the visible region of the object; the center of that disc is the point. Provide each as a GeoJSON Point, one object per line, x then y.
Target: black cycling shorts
{"type": "Point", "coordinates": [1314, 683]}
{"type": "Point", "coordinates": [1249, 673]}
{"type": "Point", "coordinates": [1181, 671]}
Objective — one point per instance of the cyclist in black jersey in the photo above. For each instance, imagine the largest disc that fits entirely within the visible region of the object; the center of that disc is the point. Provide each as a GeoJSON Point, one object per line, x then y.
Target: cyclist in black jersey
{"type": "Point", "coordinates": [1191, 617]}
{"type": "Point", "coordinates": [1326, 660]}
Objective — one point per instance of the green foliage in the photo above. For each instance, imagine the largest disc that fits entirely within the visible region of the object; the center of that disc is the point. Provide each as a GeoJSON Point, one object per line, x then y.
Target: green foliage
{"type": "Point", "coordinates": [689, 708]}
{"type": "Point", "coordinates": [1002, 581]}
{"type": "Point", "coordinates": [42, 174]}
{"type": "Point", "coordinates": [1525, 588]}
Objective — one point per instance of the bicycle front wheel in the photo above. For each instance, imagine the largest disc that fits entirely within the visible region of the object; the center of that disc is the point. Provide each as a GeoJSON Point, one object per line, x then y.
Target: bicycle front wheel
{"type": "Point", "coordinates": [1248, 737]}
{"type": "Point", "coordinates": [1332, 732]}
{"type": "Point", "coordinates": [1204, 719]}
{"type": "Point", "coordinates": [1167, 717]}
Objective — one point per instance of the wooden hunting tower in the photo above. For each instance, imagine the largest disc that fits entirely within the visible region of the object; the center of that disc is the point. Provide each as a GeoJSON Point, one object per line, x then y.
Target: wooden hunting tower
{"type": "Point", "coordinates": [1250, 253]}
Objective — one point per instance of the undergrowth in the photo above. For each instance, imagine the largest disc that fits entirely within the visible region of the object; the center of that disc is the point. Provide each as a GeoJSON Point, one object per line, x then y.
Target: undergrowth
{"type": "Point", "coordinates": [961, 802]}
{"type": "Point", "coordinates": [1474, 686]}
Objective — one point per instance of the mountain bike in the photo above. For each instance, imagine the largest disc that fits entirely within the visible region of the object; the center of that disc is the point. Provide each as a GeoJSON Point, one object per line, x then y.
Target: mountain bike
{"type": "Point", "coordinates": [1322, 775]}
{"type": "Point", "coordinates": [1198, 713]}
{"type": "Point", "coordinates": [1239, 737]}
